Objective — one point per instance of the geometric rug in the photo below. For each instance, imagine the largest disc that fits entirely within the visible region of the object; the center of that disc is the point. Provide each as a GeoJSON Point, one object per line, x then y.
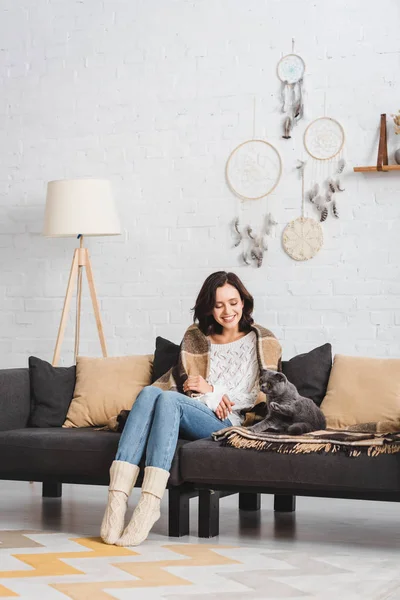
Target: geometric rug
{"type": "Point", "coordinates": [57, 566]}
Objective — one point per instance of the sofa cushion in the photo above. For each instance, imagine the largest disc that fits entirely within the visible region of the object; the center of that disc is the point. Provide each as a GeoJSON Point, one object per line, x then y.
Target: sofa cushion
{"type": "Point", "coordinates": [166, 355]}
{"type": "Point", "coordinates": [105, 386]}
{"type": "Point", "coordinates": [208, 462]}
{"type": "Point", "coordinates": [52, 389]}
{"type": "Point", "coordinates": [81, 455]}
{"type": "Point", "coordinates": [362, 390]}
{"type": "Point", "coordinates": [310, 371]}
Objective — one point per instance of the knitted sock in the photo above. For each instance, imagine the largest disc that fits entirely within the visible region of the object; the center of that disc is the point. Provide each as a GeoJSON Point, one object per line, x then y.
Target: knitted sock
{"type": "Point", "coordinates": [123, 477]}
{"type": "Point", "coordinates": [147, 511]}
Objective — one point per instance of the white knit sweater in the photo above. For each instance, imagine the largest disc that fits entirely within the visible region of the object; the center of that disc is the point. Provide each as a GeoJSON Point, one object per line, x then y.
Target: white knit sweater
{"type": "Point", "coordinates": [234, 371]}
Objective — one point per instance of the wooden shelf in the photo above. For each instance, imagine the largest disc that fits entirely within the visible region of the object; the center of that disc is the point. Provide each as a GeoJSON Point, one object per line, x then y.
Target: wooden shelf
{"type": "Point", "coordinates": [375, 169]}
{"type": "Point", "coordinates": [382, 162]}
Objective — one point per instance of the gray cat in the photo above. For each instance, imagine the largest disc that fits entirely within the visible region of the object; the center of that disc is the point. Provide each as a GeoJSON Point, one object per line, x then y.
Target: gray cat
{"type": "Point", "coordinates": [288, 412]}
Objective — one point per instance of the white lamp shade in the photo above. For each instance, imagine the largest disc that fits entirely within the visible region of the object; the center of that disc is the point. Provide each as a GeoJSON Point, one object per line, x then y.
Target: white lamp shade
{"type": "Point", "coordinates": [80, 206]}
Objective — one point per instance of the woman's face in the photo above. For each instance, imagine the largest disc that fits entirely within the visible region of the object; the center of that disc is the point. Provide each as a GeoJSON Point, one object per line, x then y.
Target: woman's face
{"type": "Point", "coordinates": [228, 307]}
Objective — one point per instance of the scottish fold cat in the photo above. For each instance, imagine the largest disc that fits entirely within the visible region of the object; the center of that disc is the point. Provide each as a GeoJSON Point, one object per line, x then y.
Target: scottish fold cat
{"type": "Point", "coordinates": [288, 412]}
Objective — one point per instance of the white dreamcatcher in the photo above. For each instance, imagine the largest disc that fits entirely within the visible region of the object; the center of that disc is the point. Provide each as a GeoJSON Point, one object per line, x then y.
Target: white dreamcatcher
{"type": "Point", "coordinates": [324, 140]}
{"type": "Point", "coordinates": [303, 237]}
{"type": "Point", "coordinates": [253, 171]}
{"type": "Point", "coordinates": [290, 70]}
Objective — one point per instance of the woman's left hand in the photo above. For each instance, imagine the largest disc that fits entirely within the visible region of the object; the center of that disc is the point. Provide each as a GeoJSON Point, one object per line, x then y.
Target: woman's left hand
{"type": "Point", "coordinates": [197, 383]}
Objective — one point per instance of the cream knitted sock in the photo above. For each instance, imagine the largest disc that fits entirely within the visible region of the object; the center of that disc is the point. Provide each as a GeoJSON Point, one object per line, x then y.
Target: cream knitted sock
{"type": "Point", "coordinates": [123, 476]}
{"type": "Point", "coordinates": [147, 511]}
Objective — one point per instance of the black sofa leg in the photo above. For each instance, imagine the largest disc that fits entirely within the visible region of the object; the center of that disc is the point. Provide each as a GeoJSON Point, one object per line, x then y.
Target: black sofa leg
{"type": "Point", "coordinates": [284, 503]}
{"type": "Point", "coordinates": [249, 501]}
{"type": "Point", "coordinates": [178, 512]}
{"type": "Point", "coordinates": [51, 489]}
{"type": "Point", "coordinates": [208, 513]}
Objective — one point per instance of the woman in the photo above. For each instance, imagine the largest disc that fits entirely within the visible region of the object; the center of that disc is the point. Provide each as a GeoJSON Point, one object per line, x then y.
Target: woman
{"type": "Point", "coordinates": [216, 379]}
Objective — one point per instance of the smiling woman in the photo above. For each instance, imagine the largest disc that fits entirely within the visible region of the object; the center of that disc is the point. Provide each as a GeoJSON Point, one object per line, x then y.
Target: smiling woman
{"type": "Point", "coordinates": [224, 307]}
{"type": "Point", "coordinates": [214, 385]}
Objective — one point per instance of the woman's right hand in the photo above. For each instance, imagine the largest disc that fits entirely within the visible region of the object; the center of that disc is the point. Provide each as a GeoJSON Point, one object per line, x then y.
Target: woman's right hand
{"type": "Point", "coordinates": [224, 408]}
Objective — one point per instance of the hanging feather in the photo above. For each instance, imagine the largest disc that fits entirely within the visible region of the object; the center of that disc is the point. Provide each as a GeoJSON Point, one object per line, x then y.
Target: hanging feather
{"type": "Point", "coordinates": [287, 127]}
{"type": "Point", "coordinates": [311, 194]}
{"type": "Point", "coordinates": [319, 202]}
{"type": "Point", "coordinates": [237, 233]}
{"type": "Point", "coordinates": [245, 258]}
{"type": "Point", "coordinates": [283, 96]}
{"type": "Point", "coordinates": [269, 223]}
{"type": "Point", "coordinates": [341, 166]}
{"type": "Point", "coordinates": [301, 165]}
{"type": "Point", "coordinates": [300, 88]}
{"type": "Point", "coordinates": [331, 185]}
{"type": "Point", "coordinates": [338, 186]}
{"type": "Point", "coordinates": [298, 108]}
{"type": "Point", "coordinates": [257, 254]}
{"type": "Point", "coordinates": [328, 196]}
{"type": "Point", "coordinates": [264, 243]}
{"type": "Point", "coordinates": [249, 232]}
{"type": "Point", "coordinates": [335, 209]}
{"type": "Point", "coordinates": [324, 214]}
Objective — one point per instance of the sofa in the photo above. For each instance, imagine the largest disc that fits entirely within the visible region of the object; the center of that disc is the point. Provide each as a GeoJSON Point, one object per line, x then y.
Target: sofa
{"type": "Point", "coordinates": [202, 469]}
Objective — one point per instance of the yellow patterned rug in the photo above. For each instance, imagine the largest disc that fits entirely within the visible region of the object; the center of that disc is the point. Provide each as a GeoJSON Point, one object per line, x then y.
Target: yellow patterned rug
{"type": "Point", "coordinates": [32, 564]}
{"type": "Point", "coordinates": [55, 566]}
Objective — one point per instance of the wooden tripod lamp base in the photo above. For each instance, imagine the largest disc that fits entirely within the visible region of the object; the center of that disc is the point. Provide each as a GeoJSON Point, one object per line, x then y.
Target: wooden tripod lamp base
{"type": "Point", "coordinates": [80, 207]}
{"type": "Point", "coordinates": [80, 261]}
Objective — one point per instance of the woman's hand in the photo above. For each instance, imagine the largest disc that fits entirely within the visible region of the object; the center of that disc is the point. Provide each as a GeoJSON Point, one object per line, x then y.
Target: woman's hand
{"type": "Point", "coordinates": [224, 408]}
{"type": "Point", "coordinates": [197, 383]}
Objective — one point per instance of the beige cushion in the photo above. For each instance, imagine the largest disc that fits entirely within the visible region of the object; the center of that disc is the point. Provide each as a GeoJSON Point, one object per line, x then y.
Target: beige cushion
{"type": "Point", "coordinates": [105, 386]}
{"type": "Point", "coordinates": [362, 390]}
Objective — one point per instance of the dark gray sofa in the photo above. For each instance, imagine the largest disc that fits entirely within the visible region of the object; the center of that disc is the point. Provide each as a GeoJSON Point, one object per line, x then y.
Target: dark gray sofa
{"type": "Point", "coordinates": [202, 468]}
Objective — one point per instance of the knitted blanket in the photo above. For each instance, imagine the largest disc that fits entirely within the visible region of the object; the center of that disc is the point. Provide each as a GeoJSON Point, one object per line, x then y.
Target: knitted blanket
{"type": "Point", "coordinates": [357, 440]}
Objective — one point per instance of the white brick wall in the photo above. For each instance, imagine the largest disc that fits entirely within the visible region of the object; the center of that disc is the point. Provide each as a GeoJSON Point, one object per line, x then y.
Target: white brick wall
{"type": "Point", "coordinates": [154, 95]}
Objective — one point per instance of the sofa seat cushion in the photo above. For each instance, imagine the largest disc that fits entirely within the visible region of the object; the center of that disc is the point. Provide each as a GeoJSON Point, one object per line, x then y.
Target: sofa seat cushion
{"type": "Point", "coordinates": [81, 455]}
{"type": "Point", "coordinates": [208, 462]}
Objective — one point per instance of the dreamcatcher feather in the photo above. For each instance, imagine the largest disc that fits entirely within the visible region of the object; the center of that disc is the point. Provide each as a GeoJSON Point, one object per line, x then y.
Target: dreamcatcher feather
{"type": "Point", "coordinates": [255, 245]}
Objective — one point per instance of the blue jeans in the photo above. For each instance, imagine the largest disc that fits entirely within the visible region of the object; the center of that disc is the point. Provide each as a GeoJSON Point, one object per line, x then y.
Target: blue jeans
{"type": "Point", "coordinates": [155, 422]}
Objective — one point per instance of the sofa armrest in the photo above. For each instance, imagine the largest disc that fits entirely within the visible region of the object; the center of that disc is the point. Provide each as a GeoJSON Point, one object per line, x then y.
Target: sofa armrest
{"type": "Point", "coordinates": [15, 400]}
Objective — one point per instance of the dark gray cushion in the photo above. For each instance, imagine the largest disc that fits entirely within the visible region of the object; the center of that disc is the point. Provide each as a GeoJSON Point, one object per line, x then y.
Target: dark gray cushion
{"type": "Point", "coordinates": [15, 403]}
{"type": "Point", "coordinates": [52, 389]}
{"type": "Point", "coordinates": [166, 355]}
{"type": "Point", "coordinates": [207, 462]}
{"type": "Point", "coordinates": [310, 372]}
{"type": "Point", "coordinates": [72, 455]}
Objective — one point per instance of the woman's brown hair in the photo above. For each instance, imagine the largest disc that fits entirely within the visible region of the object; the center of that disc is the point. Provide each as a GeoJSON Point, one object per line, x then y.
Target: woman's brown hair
{"type": "Point", "coordinates": [205, 303]}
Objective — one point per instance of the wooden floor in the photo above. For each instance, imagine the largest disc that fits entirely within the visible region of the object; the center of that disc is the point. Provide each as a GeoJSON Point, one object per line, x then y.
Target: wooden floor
{"type": "Point", "coordinates": [328, 549]}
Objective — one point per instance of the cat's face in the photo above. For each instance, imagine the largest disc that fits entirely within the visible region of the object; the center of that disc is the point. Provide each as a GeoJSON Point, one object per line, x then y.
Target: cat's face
{"type": "Point", "coordinates": [273, 383]}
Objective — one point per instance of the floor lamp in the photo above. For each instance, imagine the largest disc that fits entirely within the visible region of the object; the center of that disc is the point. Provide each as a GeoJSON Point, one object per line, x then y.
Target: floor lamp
{"type": "Point", "coordinates": [79, 208]}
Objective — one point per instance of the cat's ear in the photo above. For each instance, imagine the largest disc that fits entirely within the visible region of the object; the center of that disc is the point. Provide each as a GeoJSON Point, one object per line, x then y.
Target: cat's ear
{"type": "Point", "coordinates": [280, 377]}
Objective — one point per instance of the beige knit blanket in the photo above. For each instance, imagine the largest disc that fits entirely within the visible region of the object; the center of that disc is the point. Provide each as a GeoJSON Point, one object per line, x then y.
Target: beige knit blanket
{"type": "Point", "coordinates": [369, 439]}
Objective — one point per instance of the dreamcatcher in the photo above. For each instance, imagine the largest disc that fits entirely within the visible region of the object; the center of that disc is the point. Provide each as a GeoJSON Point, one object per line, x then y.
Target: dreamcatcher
{"type": "Point", "coordinates": [324, 140]}
{"type": "Point", "coordinates": [253, 170]}
{"type": "Point", "coordinates": [290, 71]}
{"type": "Point", "coordinates": [303, 237]}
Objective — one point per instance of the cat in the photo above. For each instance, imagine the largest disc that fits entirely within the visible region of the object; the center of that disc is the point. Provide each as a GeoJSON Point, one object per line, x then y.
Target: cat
{"type": "Point", "coordinates": [288, 412]}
